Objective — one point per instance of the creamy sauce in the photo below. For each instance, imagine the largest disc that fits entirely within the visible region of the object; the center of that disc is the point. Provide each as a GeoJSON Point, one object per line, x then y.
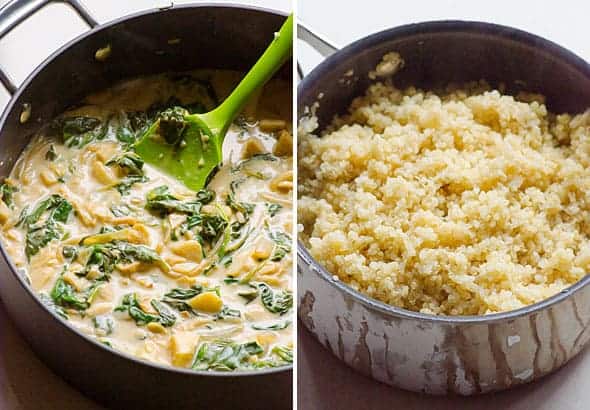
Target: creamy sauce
{"type": "Point", "coordinates": [236, 300]}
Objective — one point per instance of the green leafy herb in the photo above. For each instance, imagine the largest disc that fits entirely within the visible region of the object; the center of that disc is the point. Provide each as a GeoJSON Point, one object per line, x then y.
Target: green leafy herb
{"type": "Point", "coordinates": [131, 126]}
{"type": "Point", "coordinates": [244, 207]}
{"type": "Point", "coordinates": [273, 209]}
{"type": "Point", "coordinates": [281, 356]}
{"type": "Point", "coordinates": [167, 315]}
{"type": "Point", "coordinates": [128, 161]}
{"type": "Point", "coordinates": [257, 157]}
{"type": "Point", "coordinates": [228, 313]}
{"type": "Point", "coordinates": [282, 245]}
{"type": "Point", "coordinates": [176, 298]}
{"type": "Point", "coordinates": [105, 257]}
{"type": "Point", "coordinates": [103, 324]}
{"type": "Point", "coordinates": [130, 305]}
{"type": "Point", "coordinates": [6, 193]}
{"type": "Point", "coordinates": [275, 301]}
{"type": "Point", "coordinates": [40, 232]}
{"type": "Point", "coordinates": [64, 295]}
{"type": "Point", "coordinates": [160, 199]}
{"type": "Point", "coordinates": [184, 293]}
{"type": "Point", "coordinates": [120, 210]}
{"type": "Point", "coordinates": [124, 186]}
{"type": "Point", "coordinates": [22, 216]}
{"type": "Point", "coordinates": [204, 196]}
{"type": "Point", "coordinates": [225, 355]}
{"type": "Point", "coordinates": [273, 326]}
{"type": "Point", "coordinates": [172, 124]}
{"type": "Point", "coordinates": [51, 155]}
{"type": "Point", "coordinates": [207, 228]}
{"type": "Point", "coordinates": [79, 131]}
{"type": "Point", "coordinates": [230, 280]}
{"type": "Point", "coordinates": [180, 306]}
{"type": "Point", "coordinates": [284, 352]}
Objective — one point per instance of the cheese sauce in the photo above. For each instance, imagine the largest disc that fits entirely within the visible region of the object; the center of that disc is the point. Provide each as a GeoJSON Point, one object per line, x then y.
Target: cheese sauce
{"type": "Point", "coordinates": [133, 258]}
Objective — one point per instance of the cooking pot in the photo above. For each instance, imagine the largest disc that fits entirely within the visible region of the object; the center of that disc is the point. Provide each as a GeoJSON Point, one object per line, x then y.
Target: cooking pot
{"type": "Point", "coordinates": [213, 36]}
{"type": "Point", "coordinates": [422, 352]}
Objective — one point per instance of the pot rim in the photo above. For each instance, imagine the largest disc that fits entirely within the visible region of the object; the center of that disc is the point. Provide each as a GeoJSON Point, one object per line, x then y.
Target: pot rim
{"type": "Point", "coordinates": [439, 27]}
{"type": "Point", "coordinates": [14, 270]}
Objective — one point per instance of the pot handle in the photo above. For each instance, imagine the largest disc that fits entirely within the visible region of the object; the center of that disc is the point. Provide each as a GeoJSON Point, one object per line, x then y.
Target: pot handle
{"type": "Point", "coordinates": [318, 42]}
{"type": "Point", "coordinates": [17, 11]}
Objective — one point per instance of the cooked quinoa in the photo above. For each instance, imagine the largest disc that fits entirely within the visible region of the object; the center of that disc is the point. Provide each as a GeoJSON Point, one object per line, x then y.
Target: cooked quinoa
{"type": "Point", "coordinates": [457, 203]}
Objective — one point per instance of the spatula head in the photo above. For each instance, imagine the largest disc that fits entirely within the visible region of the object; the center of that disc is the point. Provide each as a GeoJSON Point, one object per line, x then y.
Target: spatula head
{"type": "Point", "coordinates": [182, 146]}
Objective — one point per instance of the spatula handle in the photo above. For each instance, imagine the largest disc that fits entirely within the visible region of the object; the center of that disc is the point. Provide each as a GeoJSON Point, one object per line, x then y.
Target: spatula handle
{"type": "Point", "coordinates": [276, 54]}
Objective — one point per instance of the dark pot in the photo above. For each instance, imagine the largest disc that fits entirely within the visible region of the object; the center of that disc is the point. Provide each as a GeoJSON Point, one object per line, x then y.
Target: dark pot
{"type": "Point", "coordinates": [213, 36]}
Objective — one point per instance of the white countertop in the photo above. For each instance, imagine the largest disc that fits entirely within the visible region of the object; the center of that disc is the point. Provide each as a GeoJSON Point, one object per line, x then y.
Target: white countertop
{"type": "Point", "coordinates": [564, 22]}
{"type": "Point", "coordinates": [323, 381]}
{"type": "Point", "coordinates": [25, 382]}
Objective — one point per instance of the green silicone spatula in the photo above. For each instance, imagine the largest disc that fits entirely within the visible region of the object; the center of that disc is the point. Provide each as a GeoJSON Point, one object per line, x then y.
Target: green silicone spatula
{"type": "Point", "coordinates": [188, 146]}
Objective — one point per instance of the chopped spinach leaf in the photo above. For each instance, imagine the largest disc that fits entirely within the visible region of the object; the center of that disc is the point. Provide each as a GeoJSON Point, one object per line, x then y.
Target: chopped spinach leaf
{"type": "Point", "coordinates": [205, 196]}
{"type": "Point", "coordinates": [128, 161]}
{"type": "Point", "coordinates": [282, 245]}
{"type": "Point", "coordinates": [176, 298]}
{"type": "Point", "coordinates": [225, 355]}
{"type": "Point", "coordinates": [180, 306]}
{"type": "Point", "coordinates": [171, 124]}
{"type": "Point", "coordinates": [184, 293]}
{"type": "Point", "coordinates": [104, 257]}
{"type": "Point", "coordinates": [22, 216]}
{"type": "Point", "coordinates": [40, 232]}
{"type": "Point", "coordinates": [273, 326]}
{"type": "Point", "coordinates": [63, 294]}
{"type": "Point", "coordinates": [6, 192]}
{"type": "Point", "coordinates": [120, 210]}
{"type": "Point", "coordinates": [131, 126]}
{"type": "Point", "coordinates": [257, 157]}
{"type": "Point", "coordinates": [103, 324]}
{"type": "Point", "coordinates": [206, 227]}
{"type": "Point", "coordinates": [244, 207]}
{"type": "Point", "coordinates": [282, 355]}
{"type": "Point", "coordinates": [130, 305]}
{"type": "Point", "coordinates": [228, 313]}
{"type": "Point", "coordinates": [167, 315]}
{"type": "Point", "coordinates": [275, 301]}
{"type": "Point", "coordinates": [80, 131]}
{"type": "Point", "coordinates": [160, 199]}
{"type": "Point", "coordinates": [284, 352]}
{"type": "Point", "coordinates": [273, 208]}
{"type": "Point", "coordinates": [124, 186]}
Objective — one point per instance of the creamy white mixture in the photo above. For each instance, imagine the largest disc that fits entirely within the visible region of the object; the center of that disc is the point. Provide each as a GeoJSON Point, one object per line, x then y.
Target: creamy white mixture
{"type": "Point", "coordinates": [200, 280]}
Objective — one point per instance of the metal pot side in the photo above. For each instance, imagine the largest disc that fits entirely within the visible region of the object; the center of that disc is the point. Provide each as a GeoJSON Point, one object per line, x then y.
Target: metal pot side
{"type": "Point", "coordinates": [426, 353]}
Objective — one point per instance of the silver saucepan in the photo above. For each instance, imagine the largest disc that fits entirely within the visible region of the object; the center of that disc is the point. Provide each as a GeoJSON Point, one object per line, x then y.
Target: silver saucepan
{"type": "Point", "coordinates": [441, 354]}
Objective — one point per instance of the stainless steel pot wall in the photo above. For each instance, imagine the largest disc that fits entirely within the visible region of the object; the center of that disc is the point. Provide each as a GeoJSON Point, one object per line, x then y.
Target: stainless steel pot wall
{"type": "Point", "coordinates": [211, 38]}
{"type": "Point", "coordinates": [425, 353]}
